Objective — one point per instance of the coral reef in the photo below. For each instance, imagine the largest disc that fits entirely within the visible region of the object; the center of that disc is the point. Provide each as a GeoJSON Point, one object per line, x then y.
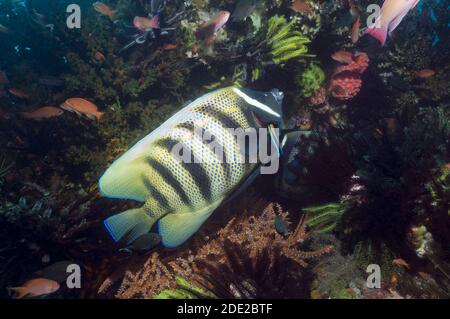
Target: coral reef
{"type": "Point", "coordinates": [346, 80]}
{"type": "Point", "coordinates": [245, 259]}
{"type": "Point", "coordinates": [310, 80]}
{"type": "Point", "coordinates": [371, 179]}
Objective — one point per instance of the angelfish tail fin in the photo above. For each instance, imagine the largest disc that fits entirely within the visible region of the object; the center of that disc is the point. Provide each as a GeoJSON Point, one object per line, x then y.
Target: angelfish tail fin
{"type": "Point", "coordinates": [129, 225]}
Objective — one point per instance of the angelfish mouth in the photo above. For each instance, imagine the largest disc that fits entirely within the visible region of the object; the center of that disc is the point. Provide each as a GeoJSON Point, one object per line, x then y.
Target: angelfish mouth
{"type": "Point", "coordinates": [278, 95]}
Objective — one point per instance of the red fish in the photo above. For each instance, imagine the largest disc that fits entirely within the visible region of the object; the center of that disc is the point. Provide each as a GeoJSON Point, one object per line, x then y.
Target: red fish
{"type": "Point", "coordinates": [392, 13]}
{"type": "Point", "coordinates": [300, 6]}
{"type": "Point", "coordinates": [355, 30]}
{"type": "Point", "coordinates": [425, 73]}
{"type": "Point", "coordinates": [82, 106]}
{"type": "Point", "coordinates": [18, 93]}
{"type": "Point", "coordinates": [102, 8]}
{"type": "Point", "coordinates": [208, 29]}
{"type": "Point", "coordinates": [100, 57]}
{"type": "Point", "coordinates": [144, 23]}
{"type": "Point", "coordinates": [43, 113]}
{"type": "Point", "coordinates": [35, 288]}
{"type": "Point", "coordinates": [169, 47]}
{"type": "Point", "coordinates": [400, 262]}
{"type": "Point", "coordinates": [342, 57]}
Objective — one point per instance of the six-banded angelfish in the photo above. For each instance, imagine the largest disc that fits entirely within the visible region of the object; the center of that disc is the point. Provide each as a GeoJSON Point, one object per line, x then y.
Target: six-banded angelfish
{"type": "Point", "coordinates": [180, 195]}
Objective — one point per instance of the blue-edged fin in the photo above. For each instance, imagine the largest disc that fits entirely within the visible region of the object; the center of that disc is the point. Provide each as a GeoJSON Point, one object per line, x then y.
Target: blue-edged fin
{"type": "Point", "coordinates": [175, 229]}
{"type": "Point", "coordinates": [129, 225]}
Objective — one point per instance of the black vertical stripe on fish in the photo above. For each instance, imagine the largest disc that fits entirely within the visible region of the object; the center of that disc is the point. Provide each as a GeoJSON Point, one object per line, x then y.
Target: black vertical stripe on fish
{"type": "Point", "coordinates": [222, 159]}
{"type": "Point", "coordinates": [227, 122]}
{"type": "Point", "coordinates": [188, 125]}
{"type": "Point", "coordinates": [198, 173]}
{"type": "Point", "coordinates": [168, 144]}
{"type": "Point", "coordinates": [157, 195]}
{"type": "Point", "coordinates": [200, 177]}
{"type": "Point", "coordinates": [223, 118]}
{"type": "Point", "coordinates": [170, 179]}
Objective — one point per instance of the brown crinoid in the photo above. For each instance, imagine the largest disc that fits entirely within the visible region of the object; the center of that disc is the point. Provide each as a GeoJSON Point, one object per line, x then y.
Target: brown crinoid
{"type": "Point", "coordinates": [245, 259]}
{"type": "Point", "coordinates": [249, 259]}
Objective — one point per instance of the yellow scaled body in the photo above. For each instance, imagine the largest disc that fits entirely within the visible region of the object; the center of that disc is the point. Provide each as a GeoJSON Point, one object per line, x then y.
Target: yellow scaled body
{"type": "Point", "coordinates": [181, 193]}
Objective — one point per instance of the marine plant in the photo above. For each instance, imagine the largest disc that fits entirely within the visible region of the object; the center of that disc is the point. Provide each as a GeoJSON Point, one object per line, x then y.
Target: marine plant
{"type": "Point", "coordinates": [246, 259]}
{"type": "Point", "coordinates": [324, 218]}
{"type": "Point", "coordinates": [185, 290]}
{"type": "Point", "coordinates": [276, 44]}
{"type": "Point", "coordinates": [286, 43]}
{"type": "Point", "coordinates": [310, 80]}
{"type": "Point", "coordinates": [395, 171]}
{"type": "Point", "coordinates": [5, 167]}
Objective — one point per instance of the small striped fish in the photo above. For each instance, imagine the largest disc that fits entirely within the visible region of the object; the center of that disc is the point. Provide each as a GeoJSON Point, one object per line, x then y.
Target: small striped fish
{"type": "Point", "coordinates": [181, 195]}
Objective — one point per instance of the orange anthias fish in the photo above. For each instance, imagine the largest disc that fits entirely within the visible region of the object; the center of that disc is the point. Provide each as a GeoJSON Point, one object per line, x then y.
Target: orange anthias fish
{"type": "Point", "coordinates": [342, 57]}
{"type": "Point", "coordinates": [208, 29]}
{"type": "Point", "coordinates": [100, 57]}
{"type": "Point", "coordinates": [18, 93]}
{"type": "Point", "coordinates": [400, 262]}
{"type": "Point", "coordinates": [355, 30]}
{"type": "Point", "coordinates": [43, 113]}
{"type": "Point", "coordinates": [102, 8]}
{"type": "Point", "coordinates": [35, 288]}
{"type": "Point", "coordinates": [144, 23]}
{"type": "Point", "coordinates": [300, 6]}
{"type": "Point", "coordinates": [82, 106]}
{"type": "Point", "coordinates": [169, 46]}
{"type": "Point", "coordinates": [425, 73]}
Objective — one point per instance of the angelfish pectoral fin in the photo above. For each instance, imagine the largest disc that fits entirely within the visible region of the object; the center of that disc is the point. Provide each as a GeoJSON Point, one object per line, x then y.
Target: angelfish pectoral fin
{"type": "Point", "coordinates": [175, 229]}
{"type": "Point", "coordinates": [129, 225]}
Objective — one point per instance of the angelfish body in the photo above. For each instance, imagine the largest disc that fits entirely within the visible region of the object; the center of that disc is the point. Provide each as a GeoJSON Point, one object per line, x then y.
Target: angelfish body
{"type": "Point", "coordinates": [181, 195]}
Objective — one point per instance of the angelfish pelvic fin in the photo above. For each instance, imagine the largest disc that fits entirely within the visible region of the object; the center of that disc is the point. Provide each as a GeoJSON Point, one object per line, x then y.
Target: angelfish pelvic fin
{"type": "Point", "coordinates": [175, 229]}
